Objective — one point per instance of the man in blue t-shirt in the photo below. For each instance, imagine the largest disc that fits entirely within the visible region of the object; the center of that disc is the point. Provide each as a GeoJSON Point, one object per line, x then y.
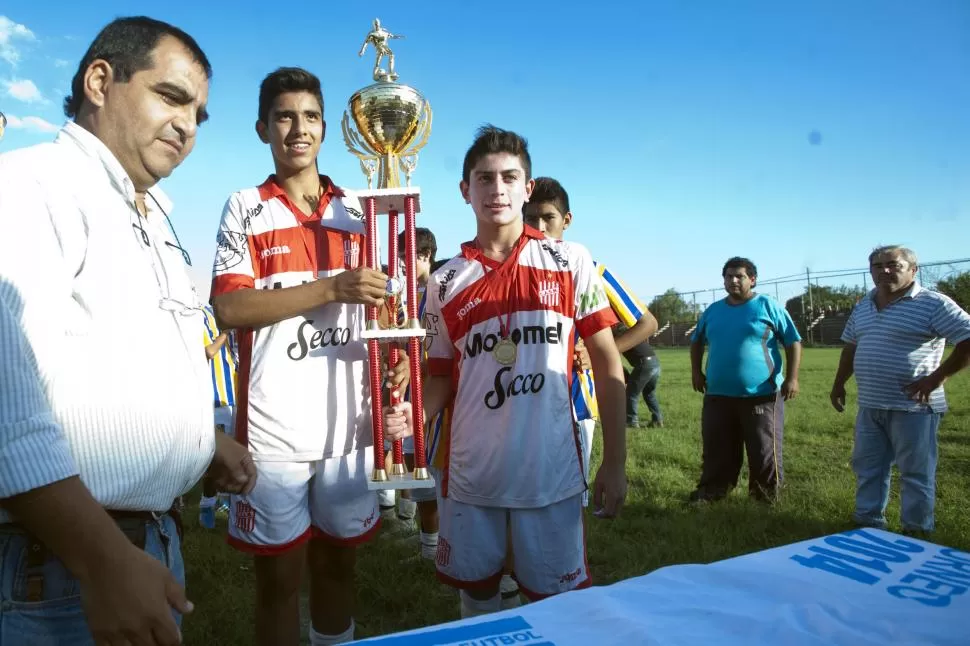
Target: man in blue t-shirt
{"type": "Point", "coordinates": [744, 393]}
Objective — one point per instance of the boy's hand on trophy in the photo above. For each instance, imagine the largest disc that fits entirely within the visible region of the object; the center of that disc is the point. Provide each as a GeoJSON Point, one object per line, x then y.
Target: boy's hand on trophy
{"type": "Point", "coordinates": [398, 423]}
{"type": "Point", "coordinates": [399, 376]}
{"type": "Point", "coordinates": [362, 285]}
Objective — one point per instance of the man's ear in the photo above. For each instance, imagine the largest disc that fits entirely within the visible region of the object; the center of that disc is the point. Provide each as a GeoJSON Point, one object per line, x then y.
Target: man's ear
{"type": "Point", "coordinates": [97, 79]}
{"type": "Point", "coordinates": [567, 220]}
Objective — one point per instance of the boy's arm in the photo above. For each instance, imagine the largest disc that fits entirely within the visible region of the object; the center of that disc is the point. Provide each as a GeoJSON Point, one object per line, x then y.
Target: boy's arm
{"type": "Point", "coordinates": [609, 489]}
{"type": "Point", "coordinates": [630, 338]}
{"type": "Point", "coordinates": [633, 314]}
{"type": "Point", "coordinates": [256, 308]}
{"type": "Point", "coordinates": [845, 370]}
{"type": "Point", "coordinates": [238, 304]}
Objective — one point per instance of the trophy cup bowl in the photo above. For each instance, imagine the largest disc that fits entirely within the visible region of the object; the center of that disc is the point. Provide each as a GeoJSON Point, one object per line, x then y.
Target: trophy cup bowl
{"type": "Point", "coordinates": [388, 116]}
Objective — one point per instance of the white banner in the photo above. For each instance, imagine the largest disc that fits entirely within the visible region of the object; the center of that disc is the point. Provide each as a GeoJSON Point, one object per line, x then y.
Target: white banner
{"type": "Point", "coordinates": [863, 587]}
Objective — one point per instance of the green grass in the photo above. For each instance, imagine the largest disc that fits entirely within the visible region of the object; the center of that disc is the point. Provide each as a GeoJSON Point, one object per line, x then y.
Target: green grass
{"type": "Point", "coordinates": [398, 592]}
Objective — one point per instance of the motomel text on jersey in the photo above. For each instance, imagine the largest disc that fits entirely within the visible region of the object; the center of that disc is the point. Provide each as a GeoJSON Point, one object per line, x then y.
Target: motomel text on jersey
{"type": "Point", "coordinates": [330, 337]}
{"type": "Point", "coordinates": [528, 335]}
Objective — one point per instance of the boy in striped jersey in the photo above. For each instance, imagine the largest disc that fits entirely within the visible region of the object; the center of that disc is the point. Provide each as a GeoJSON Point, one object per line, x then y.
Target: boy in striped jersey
{"type": "Point", "coordinates": [221, 352]}
{"type": "Point", "coordinates": [289, 276]}
{"type": "Point", "coordinates": [548, 211]}
{"type": "Point", "coordinates": [502, 352]}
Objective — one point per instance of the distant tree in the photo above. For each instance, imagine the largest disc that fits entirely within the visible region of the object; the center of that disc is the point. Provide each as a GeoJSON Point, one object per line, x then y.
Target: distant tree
{"type": "Point", "coordinates": [958, 288]}
{"type": "Point", "coordinates": [670, 307]}
{"type": "Point", "coordinates": [825, 299]}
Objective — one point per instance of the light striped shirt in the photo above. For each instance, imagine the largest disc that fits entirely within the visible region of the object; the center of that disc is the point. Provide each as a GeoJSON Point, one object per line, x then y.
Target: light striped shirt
{"type": "Point", "coordinates": [89, 284]}
{"type": "Point", "coordinates": [902, 343]}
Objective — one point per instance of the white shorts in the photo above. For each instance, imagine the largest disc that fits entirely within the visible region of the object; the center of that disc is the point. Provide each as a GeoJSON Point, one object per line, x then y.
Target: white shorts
{"type": "Point", "coordinates": [296, 501]}
{"type": "Point", "coordinates": [549, 544]}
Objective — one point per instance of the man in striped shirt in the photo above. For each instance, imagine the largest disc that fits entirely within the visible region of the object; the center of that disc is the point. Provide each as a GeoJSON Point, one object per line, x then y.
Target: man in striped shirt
{"type": "Point", "coordinates": [91, 459]}
{"type": "Point", "coordinates": [895, 339]}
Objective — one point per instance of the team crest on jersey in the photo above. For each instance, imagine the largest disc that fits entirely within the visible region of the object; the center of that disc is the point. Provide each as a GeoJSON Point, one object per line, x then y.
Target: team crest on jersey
{"type": "Point", "coordinates": [245, 517]}
{"type": "Point", "coordinates": [443, 555]}
{"type": "Point", "coordinates": [351, 254]}
{"type": "Point", "coordinates": [549, 293]}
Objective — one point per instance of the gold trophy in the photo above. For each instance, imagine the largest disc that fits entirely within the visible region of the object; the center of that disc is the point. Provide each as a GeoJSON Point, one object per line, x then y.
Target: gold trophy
{"type": "Point", "coordinates": [384, 126]}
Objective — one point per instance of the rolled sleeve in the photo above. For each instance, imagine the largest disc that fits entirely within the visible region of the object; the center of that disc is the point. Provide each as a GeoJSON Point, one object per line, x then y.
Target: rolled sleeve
{"type": "Point", "coordinates": [33, 449]}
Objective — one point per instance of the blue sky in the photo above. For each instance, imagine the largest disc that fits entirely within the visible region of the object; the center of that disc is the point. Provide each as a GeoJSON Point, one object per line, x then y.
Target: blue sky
{"type": "Point", "coordinates": [798, 133]}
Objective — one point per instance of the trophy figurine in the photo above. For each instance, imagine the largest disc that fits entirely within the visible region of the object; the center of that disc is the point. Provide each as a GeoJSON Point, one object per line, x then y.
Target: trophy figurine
{"type": "Point", "coordinates": [384, 126]}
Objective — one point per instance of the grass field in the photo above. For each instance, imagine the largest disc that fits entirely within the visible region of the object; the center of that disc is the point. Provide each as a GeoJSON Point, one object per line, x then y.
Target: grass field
{"type": "Point", "coordinates": [397, 591]}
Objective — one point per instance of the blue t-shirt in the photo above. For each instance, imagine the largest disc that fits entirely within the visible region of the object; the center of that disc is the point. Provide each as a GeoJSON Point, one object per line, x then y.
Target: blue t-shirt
{"type": "Point", "coordinates": [744, 346]}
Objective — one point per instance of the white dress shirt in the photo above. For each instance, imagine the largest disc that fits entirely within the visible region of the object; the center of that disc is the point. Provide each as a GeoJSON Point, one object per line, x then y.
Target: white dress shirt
{"type": "Point", "coordinates": [110, 333]}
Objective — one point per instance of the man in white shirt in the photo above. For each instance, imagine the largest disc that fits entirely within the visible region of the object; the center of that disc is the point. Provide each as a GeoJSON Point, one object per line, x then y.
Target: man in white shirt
{"type": "Point", "coordinates": [91, 456]}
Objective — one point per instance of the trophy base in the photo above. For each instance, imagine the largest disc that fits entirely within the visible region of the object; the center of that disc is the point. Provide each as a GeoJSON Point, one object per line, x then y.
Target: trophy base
{"type": "Point", "coordinates": [406, 481]}
{"type": "Point", "coordinates": [393, 334]}
{"type": "Point", "coordinates": [391, 199]}
{"type": "Point", "coordinates": [398, 470]}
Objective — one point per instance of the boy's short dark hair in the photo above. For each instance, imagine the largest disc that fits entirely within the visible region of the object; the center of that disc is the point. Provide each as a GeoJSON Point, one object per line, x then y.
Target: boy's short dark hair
{"type": "Point", "coordinates": [737, 262]}
{"type": "Point", "coordinates": [549, 190]}
{"type": "Point", "coordinates": [424, 242]}
{"type": "Point", "coordinates": [490, 140]}
{"type": "Point", "coordinates": [127, 45]}
{"type": "Point", "coordinates": [286, 79]}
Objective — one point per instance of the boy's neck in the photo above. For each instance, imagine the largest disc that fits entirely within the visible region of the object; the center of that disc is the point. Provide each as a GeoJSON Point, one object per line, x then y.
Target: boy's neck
{"type": "Point", "coordinates": [497, 242]}
{"type": "Point", "coordinates": [302, 187]}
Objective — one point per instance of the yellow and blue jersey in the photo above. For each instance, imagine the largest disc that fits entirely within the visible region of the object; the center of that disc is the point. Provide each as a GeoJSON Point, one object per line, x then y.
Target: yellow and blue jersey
{"type": "Point", "coordinates": [223, 365]}
{"type": "Point", "coordinates": [629, 309]}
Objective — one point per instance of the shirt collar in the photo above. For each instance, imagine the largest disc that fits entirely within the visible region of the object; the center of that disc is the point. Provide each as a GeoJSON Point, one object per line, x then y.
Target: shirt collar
{"type": "Point", "coordinates": [85, 141]}
{"type": "Point", "coordinates": [471, 250]}
{"type": "Point", "coordinates": [911, 292]}
{"type": "Point", "coordinates": [271, 188]}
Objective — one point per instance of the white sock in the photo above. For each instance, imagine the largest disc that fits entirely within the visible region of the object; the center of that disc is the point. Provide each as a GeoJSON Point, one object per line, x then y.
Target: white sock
{"type": "Point", "coordinates": [207, 501]}
{"type": "Point", "coordinates": [406, 508]}
{"type": "Point", "coordinates": [385, 498]}
{"type": "Point", "coordinates": [475, 608]}
{"type": "Point", "coordinates": [429, 546]}
{"type": "Point", "coordinates": [316, 639]}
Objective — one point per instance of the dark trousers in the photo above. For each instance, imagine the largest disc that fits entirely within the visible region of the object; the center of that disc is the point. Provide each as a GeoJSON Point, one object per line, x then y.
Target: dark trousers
{"type": "Point", "coordinates": [729, 425]}
{"type": "Point", "coordinates": [643, 381]}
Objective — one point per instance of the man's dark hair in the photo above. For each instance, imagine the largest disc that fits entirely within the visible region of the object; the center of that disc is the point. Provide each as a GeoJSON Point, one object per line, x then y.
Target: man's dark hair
{"type": "Point", "coordinates": [127, 44]}
{"type": "Point", "coordinates": [548, 190]}
{"type": "Point", "coordinates": [424, 242]}
{"type": "Point", "coordinates": [283, 80]}
{"type": "Point", "coordinates": [490, 140]}
{"type": "Point", "coordinates": [740, 263]}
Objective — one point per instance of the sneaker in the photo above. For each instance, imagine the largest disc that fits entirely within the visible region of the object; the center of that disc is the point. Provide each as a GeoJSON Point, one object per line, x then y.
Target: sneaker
{"type": "Point", "coordinates": [207, 516]}
{"type": "Point", "coordinates": [633, 424]}
{"type": "Point", "coordinates": [509, 590]}
{"type": "Point", "coordinates": [657, 423]}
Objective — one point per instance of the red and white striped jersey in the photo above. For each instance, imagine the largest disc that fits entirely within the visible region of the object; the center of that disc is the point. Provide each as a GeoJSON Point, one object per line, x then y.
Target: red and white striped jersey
{"type": "Point", "coordinates": [303, 392]}
{"type": "Point", "coordinates": [513, 441]}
